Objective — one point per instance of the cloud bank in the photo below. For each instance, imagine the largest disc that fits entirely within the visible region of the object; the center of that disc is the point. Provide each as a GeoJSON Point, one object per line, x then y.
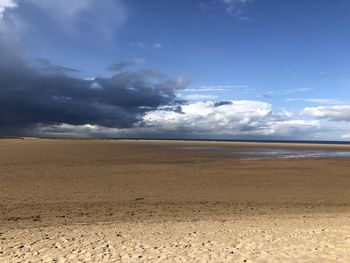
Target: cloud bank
{"type": "Point", "coordinates": [47, 95]}
{"type": "Point", "coordinates": [333, 113]}
{"type": "Point", "coordinates": [240, 118]}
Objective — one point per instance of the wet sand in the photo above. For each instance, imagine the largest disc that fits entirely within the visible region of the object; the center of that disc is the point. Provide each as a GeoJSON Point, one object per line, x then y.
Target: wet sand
{"type": "Point", "coordinates": [105, 200]}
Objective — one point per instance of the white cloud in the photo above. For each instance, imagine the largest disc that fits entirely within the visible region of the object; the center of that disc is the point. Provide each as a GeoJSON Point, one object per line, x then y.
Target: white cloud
{"type": "Point", "coordinates": [235, 7]}
{"type": "Point", "coordinates": [142, 45]}
{"type": "Point", "coordinates": [157, 45]}
{"type": "Point", "coordinates": [137, 44]}
{"type": "Point", "coordinates": [234, 118]}
{"type": "Point", "coordinates": [209, 88]}
{"type": "Point", "coordinates": [223, 87]}
{"type": "Point", "coordinates": [198, 97]}
{"type": "Point", "coordinates": [317, 100]}
{"type": "Point", "coordinates": [6, 4]}
{"type": "Point", "coordinates": [332, 113]}
{"type": "Point", "coordinates": [293, 127]}
{"type": "Point", "coordinates": [346, 136]}
{"type": "Point", "coordinates": [283, 92]}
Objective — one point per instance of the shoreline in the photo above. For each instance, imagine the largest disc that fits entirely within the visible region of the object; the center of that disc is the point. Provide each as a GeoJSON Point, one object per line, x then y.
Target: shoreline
{"type": "Point", "coordinates": [244, 143]}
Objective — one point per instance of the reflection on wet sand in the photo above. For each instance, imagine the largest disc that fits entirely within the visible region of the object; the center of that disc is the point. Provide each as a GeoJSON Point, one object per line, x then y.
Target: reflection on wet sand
{"type": "Point", "coordinates": [265, 153]}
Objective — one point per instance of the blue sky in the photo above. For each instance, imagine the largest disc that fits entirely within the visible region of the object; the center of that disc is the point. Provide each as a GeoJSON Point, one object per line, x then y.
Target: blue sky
{"type": "Point", "coordinates": [283, 65]}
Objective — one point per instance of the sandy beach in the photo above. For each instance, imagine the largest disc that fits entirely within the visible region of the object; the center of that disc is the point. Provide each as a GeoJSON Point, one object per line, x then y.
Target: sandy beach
{"type": "Point", "coordinates": [171, 201]}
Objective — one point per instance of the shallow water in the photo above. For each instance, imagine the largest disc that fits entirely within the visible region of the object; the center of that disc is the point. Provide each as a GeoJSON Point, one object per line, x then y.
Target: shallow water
{"type": "Point", "coordinates": [269, 153]}
{"type": "Point", "coordinates": [273, 153]}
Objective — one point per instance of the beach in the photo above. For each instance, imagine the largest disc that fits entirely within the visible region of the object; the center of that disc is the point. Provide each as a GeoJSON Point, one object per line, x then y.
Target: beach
{"type": "Point", "coordinates": [172, 201]}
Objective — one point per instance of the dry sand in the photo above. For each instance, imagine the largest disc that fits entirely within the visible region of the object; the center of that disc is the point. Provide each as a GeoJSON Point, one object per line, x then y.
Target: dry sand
{"type": "Point", "coordinates": [131, 201]}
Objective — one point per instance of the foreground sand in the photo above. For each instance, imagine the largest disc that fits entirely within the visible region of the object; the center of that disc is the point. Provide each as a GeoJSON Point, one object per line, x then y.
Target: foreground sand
{"type": "Point", "coordinates": [68, 201]}
{"type": "Point", "coordinates": [320, 238]}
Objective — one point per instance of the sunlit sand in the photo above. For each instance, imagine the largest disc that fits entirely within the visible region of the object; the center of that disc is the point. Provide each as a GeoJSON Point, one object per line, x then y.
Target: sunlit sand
{"type": "Point", "coordinates": [156, 201]}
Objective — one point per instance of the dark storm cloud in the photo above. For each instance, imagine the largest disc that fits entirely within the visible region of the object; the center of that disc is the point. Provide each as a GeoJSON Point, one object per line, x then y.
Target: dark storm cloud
{"type": "Point", "coordinates": [47, 95]}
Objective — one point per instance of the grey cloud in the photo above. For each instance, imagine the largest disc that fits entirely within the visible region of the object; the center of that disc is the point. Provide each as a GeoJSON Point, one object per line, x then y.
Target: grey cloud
{"type": "Point", "coordinates": [221, 103]}
{"type": "Point", "coordinates": [45, 66]}
{"type": "Point", "coordinates": [265, 95]}
{"type": "Point", "coordinates": [31, 97]}
{"type": "Point", "coordinates": [126, 64]}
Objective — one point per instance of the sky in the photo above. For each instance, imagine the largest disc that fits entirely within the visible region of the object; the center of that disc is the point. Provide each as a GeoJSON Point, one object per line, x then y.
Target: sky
{"type": "Point", "coordinates": [199, 69]}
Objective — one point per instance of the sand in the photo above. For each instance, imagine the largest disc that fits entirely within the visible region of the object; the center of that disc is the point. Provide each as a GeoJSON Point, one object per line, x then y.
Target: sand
{"type": "Point", "coordinates": [153, 201]}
